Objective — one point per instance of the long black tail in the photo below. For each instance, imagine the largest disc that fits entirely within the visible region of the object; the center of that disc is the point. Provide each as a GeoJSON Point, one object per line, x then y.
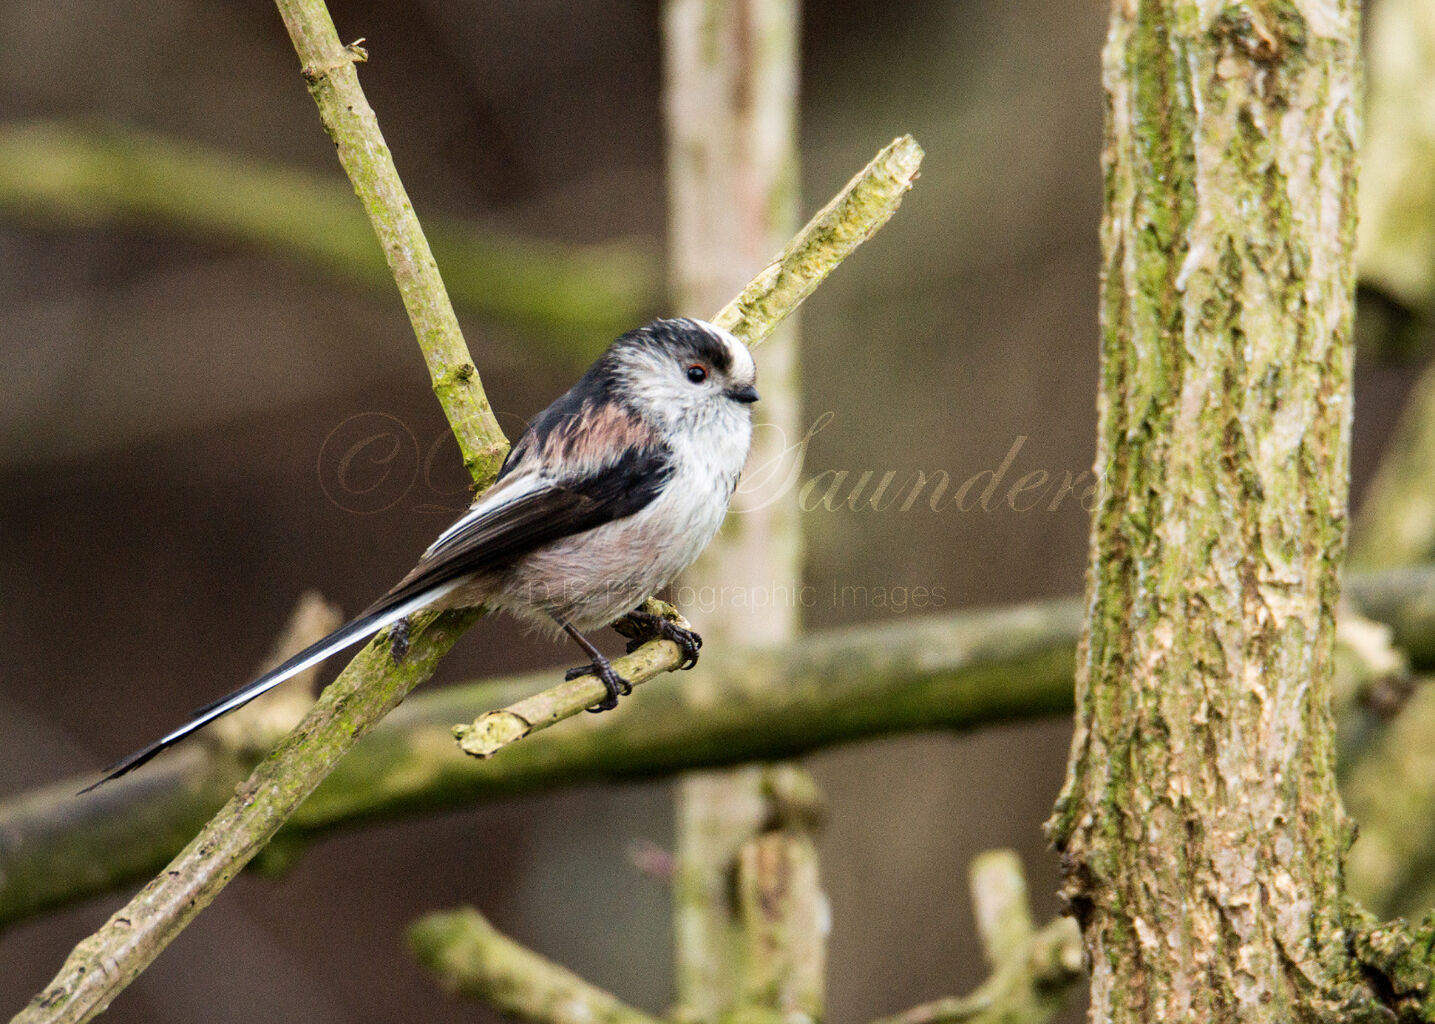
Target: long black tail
{"type": "Point", "coordinates": [347, 635]}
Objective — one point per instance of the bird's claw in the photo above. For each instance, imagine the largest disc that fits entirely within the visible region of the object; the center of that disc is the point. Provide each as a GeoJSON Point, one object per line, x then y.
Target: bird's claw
{"type": "Point", "coordinates": [656, 627]}
{"type": "Point", "coordinates": [615, 684]}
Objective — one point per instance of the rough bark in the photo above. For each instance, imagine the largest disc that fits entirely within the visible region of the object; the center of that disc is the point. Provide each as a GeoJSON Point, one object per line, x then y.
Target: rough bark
{"type": "Point", "coordinates": [1200, 827]}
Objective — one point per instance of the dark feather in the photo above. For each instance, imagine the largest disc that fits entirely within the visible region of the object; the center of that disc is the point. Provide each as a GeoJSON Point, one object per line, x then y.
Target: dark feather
{"type": "Point", "coordinates": [515, 528]}
{"type": "Point", "coordinates": [684, 340]}
{"type": "Point", "coordinates": [346, 635]}
{"type": "Point", "coordinates": [603, 460]}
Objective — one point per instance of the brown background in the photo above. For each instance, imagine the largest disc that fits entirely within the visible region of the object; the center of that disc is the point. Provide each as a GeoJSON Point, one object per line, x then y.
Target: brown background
{"type": "Point", "coordinates": [166, 403]}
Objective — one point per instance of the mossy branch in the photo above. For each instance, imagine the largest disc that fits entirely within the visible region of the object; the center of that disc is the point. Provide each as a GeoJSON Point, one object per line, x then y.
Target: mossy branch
{"type": "Point", "coordinates": [834, 232]}
{"type": "Point", "coordinates": [55, 173]}
{"type": "Point", "coordinates": [961, 671]}
{"type": "Point", "coordinates": [958, 672]}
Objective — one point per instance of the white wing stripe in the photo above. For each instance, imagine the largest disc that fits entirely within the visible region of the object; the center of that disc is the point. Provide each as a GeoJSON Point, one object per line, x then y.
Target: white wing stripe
{"type": "Point", "coordinates": [264, 684]}
{"type": "Point", "coordinates": [511, 491]}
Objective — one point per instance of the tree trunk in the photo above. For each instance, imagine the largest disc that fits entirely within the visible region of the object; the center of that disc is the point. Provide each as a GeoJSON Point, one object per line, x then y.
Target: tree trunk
{"type": "Point", "coordinates": [1200, 827]}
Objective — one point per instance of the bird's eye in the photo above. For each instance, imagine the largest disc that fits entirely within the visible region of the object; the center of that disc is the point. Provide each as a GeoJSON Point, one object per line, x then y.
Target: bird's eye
{"type": "Point", "coordinates": [697, 373]}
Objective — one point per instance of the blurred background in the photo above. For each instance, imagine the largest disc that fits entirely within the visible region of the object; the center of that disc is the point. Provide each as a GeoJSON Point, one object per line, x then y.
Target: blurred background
{"type": "Point", "coordinates": [175, 402]}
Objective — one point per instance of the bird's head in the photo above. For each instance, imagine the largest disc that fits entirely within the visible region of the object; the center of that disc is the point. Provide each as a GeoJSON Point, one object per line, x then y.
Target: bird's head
{"type": "Point", "coordinates": [684, 373]}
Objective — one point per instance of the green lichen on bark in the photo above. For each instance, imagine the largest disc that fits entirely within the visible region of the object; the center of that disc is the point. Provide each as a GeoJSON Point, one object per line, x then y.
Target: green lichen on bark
{"type": "Point", "coordinates": [1200, 825]}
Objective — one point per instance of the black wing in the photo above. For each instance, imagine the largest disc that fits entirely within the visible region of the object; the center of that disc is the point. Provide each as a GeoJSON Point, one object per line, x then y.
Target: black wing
{"type": "Point", "coordinates": [492, 538]}
{"type": "Point", "coordinates": [487, 539]}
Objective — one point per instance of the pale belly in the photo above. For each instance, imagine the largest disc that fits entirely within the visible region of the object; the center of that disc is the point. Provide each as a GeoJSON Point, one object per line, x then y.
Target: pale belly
{"type": "Point", "coordinates": [595, 578]}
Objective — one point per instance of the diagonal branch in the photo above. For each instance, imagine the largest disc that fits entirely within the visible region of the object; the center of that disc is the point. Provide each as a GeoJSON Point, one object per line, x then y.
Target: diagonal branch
{"type": "Point", "coordinates": [362, 694]}
{"type": "Point", "coordinates": [854, 215]}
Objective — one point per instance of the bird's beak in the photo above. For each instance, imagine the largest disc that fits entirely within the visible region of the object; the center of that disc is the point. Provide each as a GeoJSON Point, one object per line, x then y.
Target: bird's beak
{"type": "Point", "coordinates": [746, 395]}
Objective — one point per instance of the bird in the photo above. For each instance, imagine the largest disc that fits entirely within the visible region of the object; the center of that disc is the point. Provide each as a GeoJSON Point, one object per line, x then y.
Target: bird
{"type": "Point", "coordinates": [610, 492]}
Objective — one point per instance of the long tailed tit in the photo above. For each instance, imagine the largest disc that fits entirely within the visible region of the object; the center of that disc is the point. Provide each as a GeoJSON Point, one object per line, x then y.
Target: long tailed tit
{"type": "Point", "coordinates": [612, 491]}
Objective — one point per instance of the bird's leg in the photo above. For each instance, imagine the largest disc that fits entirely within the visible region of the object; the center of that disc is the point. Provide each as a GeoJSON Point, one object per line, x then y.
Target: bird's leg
{"type": "Point", "coordinates": [600, 667]}
{"type": "Point", "coordinates": [641, 626]}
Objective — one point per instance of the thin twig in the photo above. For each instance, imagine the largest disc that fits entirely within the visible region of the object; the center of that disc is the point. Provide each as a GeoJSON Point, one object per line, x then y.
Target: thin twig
{"type": "Point", "coordinates": [494, 730]}
{"type": "Point", "coordinates": [853, 216]}
{"type": "Point", "coordinates": [1032, 972]}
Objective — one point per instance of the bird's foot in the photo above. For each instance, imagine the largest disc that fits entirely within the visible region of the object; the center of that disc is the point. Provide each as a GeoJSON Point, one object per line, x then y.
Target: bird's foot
{"type": "Point", "coordinates": [645, 625]}
{"type": "Point", "coordinates": [615, 684]}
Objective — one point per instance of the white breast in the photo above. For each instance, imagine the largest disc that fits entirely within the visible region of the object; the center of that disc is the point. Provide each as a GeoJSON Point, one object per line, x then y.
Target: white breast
{"type": "Point", "coordinates": [593, 578]}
